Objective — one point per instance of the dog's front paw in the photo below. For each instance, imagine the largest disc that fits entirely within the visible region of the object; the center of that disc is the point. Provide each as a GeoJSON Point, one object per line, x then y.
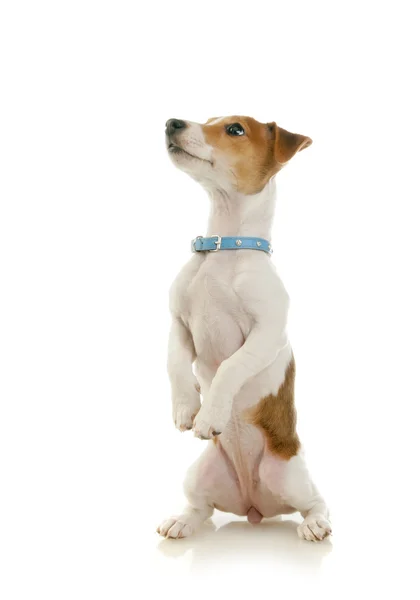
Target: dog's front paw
{"type": "Point", "coordinates": [186, 403]}
{"type": "Point", "coordinates": [184, 414]}
{"type": "Point", "coordinates": [314, 528]}
{"type": "Point", "coordinates": [208, 423]}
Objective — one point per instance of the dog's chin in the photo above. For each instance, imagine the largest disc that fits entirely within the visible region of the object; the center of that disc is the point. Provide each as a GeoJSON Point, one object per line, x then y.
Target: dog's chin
{"type": "Point", "coordinates": [179, 154]}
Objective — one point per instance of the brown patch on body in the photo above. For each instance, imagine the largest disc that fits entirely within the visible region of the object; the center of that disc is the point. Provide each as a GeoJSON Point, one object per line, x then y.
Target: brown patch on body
{"type": "Point", "coordinates": [256, 156]}
{"type": "Point", "coordinates": [276, 417]}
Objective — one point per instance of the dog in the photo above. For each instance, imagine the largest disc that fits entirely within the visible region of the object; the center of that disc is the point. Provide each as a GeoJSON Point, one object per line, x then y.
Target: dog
{"type": "Point", "coordinates": [229, 312]}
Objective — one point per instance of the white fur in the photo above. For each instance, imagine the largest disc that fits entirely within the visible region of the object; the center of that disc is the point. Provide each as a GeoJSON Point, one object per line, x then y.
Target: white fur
{"type": "Point", "coordinates": [229, 312]}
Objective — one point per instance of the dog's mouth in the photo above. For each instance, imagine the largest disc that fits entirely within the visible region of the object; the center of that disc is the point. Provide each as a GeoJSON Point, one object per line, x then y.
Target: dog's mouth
{"type": "Point", "coordinates": [174, 149]}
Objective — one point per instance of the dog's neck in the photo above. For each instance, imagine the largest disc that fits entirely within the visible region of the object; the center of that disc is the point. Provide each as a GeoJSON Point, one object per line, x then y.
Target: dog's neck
{"type": "Point", "coordinates": [235, 214]}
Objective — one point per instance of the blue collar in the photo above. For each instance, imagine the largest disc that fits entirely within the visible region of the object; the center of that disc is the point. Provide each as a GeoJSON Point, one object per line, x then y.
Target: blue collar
{"type": "Point", "coordinates": [215, 243]}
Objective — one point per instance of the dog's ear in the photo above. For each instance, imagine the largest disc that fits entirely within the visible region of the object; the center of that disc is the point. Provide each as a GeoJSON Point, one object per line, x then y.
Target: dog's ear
{"type": "Point", "coordinates": [286, 144]}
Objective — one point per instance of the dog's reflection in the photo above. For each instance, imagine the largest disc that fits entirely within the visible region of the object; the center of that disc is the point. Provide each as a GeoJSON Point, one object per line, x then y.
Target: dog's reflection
{"type": "Point", "coordinates": [272, 541]}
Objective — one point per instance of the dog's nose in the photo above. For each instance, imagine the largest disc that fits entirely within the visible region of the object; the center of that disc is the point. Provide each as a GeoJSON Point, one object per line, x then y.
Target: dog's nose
{"type": "Point", "coordinates": [174, 125]}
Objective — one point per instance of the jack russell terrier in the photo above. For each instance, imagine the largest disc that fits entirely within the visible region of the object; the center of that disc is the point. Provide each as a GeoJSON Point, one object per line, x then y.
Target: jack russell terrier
{"type": "Point", "coordinates": [229, 311]}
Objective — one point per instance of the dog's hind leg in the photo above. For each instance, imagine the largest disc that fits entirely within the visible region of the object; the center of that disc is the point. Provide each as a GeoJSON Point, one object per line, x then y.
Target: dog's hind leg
{"type": "Point", "coordinates": [290, 481]}
{"type": "Point", "coordinates": [187, 522]}
{"type": "Point", "coordinates": [210, 483]}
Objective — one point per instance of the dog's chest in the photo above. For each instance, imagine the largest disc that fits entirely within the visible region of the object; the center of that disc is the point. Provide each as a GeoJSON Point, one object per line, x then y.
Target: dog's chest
{"type": "Point", "coordinates": [214, 313]}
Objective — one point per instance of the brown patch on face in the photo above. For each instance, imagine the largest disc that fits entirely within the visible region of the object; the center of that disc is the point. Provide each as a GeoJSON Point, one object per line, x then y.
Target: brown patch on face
{"type": "Point", "coordinates": [276, 417]}
{"type": "Point", "coordinates": [255, 156]}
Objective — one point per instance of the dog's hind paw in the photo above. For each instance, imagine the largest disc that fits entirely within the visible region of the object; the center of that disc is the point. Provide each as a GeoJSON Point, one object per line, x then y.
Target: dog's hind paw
{"type": "Point", "coordinates": [173, 528]}
{"type": "Point", "coordinates": [314, 528]}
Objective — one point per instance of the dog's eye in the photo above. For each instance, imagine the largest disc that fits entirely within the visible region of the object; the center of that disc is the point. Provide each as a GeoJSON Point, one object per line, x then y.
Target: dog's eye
{"type": "Point", "coordinates": [235, 129]}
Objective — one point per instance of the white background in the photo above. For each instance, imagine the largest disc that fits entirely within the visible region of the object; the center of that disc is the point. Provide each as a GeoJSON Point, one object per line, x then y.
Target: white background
{"type": "Point", "coordinates": [95, 223]}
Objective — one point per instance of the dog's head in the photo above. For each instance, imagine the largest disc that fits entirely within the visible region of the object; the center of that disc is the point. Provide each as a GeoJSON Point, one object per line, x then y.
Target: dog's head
{"type": "Point", "coordinates": [233, 153]}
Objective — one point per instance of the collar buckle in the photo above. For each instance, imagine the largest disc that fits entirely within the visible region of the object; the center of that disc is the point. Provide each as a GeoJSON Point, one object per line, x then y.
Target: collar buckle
{"type": "Point", "coordinates": [218, 242]}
